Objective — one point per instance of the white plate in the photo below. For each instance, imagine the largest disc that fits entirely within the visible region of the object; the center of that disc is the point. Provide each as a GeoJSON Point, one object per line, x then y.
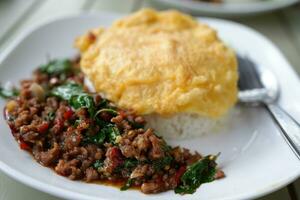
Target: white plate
{"type": "Point", "coordinates": [254, 156]}
{"type": "Point", "coordinates": [228, 8]}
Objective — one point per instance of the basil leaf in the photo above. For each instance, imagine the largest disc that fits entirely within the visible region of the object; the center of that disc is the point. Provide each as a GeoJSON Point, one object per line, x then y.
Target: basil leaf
{"type": "Point", "coordinates": [104, 103]}
{"type": "Point", "coordinates": [8, 93]}
{"type": "Point", "coordinates": [101, 122]}
{"type": "Point", "coordinates": [98, 138]}
{"type": "Point", "coordinates": [56, 67]}
{"type": "Point", "coordinates": [77, 122]}
{"type": "Point", "coordinates": [51, 116]}
{"type": "Point", "coordinates": [130, 163]}
{"type": "Point", "coordinates": [166, 147]}
{"type": "Point", "coordinates": [113, 132]}
{"type": "Point", "coordinates": [161, 163]}
{"type": "Point", "coordinates": [127, 185]}
{"type": "Point", "coordinates": [196, 174]}
{"type": "Point", "coordinates": [98, 164]}
{"type": "Point", "coordinates": [109, 110]}
{"type": "Point", "coordinates": [108, 133]}
{"type": "Point", "coordinates": [77, 98]}
{"type": "Point", "coordinates": [67, 91]}
{"type": "Point", "coordinates": [83, 101]}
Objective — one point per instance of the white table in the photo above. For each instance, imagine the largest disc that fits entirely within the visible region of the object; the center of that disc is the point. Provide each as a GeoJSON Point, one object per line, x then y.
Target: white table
{"type": "Point", "coordinates": [282, 27]}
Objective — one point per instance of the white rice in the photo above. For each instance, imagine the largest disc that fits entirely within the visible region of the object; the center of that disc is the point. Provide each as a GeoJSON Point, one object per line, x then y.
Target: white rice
{"type": "Point", "coordinates": [186, 125]}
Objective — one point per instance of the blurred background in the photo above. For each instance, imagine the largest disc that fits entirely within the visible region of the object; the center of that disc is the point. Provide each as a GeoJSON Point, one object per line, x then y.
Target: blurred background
{"type": "Point", "coordinates": [279, 20]}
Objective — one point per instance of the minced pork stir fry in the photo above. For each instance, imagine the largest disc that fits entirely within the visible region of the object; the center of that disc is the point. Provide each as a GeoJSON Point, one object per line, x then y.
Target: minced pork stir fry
{"type": "Point", "coordinates": [85, 137]}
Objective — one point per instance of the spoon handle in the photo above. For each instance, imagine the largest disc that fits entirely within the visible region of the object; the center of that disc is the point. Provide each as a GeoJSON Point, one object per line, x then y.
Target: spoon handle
{"type": "Point", "coordinates": [289, 127]}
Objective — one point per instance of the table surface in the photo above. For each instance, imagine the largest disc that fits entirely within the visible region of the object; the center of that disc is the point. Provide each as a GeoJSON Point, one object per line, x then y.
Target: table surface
{"type": "Point", "coordinates": [282, 27]}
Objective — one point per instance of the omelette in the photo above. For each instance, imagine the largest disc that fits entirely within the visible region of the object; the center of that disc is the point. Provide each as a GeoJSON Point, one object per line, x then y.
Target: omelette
{"type": "Point", "coordinates": [161, 63]}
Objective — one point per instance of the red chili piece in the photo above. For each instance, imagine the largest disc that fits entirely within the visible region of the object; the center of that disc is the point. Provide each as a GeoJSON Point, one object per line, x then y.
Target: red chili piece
{"type": "Point", "coordinates": [68, 114]}
{"type": "Point", "coordinates": [24, 145]}
{"type": "Point", "coordinates": [179, 173]}
{"type": "Point", "coordinates": [43, 127]}
{"type": "Point", "coordinates": [116, 156]}
{"type": "Point", "coordinates": [122, 113]}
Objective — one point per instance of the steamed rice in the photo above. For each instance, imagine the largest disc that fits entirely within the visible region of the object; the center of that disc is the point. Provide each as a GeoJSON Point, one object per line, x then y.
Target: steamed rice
{"type": "Point", "coordinates": [187, 125]}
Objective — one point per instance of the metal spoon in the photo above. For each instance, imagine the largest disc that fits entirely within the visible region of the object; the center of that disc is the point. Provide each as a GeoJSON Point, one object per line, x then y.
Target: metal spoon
{"type": "Point", "coordinates": [257, 85]}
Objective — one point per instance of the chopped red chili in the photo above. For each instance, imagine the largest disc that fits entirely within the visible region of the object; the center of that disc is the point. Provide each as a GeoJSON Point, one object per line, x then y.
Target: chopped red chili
{"type": "Point", "coordinates": [68, 114]}
{"type": "Point", "coordinates": [24, 145]}
{"type": "Point", "coordinates": [43, 127]}
{"type": "Point", "coordinates": [179, 173]}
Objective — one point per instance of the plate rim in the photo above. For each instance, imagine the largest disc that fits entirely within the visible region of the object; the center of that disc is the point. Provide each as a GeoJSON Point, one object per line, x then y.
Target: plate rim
{"type": "Point", "coordinates": [65, 193]}
{"type": "Point", "coordinates": [235, 9]}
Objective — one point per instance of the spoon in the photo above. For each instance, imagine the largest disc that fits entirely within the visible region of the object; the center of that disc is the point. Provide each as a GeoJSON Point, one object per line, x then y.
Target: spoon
{"type": "Point", "coordinates": [258, 86]}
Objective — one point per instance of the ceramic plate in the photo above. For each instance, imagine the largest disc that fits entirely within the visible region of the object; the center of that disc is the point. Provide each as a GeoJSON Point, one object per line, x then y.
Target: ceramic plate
{"type": "Point", "coordinates": [254, 155]}
{"type": "Point", "coordinates": [228, 8]}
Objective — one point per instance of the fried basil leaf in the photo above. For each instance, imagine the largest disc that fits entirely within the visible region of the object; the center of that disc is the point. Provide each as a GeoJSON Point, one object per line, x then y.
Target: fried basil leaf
{"type": "Point", "coordinates": [108, 133]}
{"type": "Point", "coordinates": [56, 67]}
{"type": "Point", "coordinates": [108, 110]}
{"type": "Point", "coordinates": [130, 163]}
{"type": "Point", "coordinates": [98, 138]}
{"type": "Point", "coordinates": [98, 164]}
{"type": "Point", "coordinates": [161, 163]}
{"type": "Point", "coordinates": [83, 100]}
{"type": "Point", "coordinates": [50, 116]}
{"type": "Point", "coordinates": [77, 98]}
{"type": "Point", "coordinates": [8, 93]}
{"type": "Point", "coordinates": [196, 174]}
{"type": "Point", "coordinates": [67, 91]}
{"type": "Point", "coordinates": [127, 184]}
{"type": "Point", "coordinates": [112, 132]}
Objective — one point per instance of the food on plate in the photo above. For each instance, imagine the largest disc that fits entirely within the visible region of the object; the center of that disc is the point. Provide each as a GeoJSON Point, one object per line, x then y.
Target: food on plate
{"type": "Point", "coordinates": [164, 68]}
{"type": "Point", "coordinates": [83, 136]}
{"type": "Point", "coordinates": [165, 65]}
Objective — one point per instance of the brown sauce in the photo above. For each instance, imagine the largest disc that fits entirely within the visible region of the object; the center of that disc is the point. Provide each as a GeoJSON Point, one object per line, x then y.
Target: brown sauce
{"type": "Point", "coordinates": [116, 183]}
